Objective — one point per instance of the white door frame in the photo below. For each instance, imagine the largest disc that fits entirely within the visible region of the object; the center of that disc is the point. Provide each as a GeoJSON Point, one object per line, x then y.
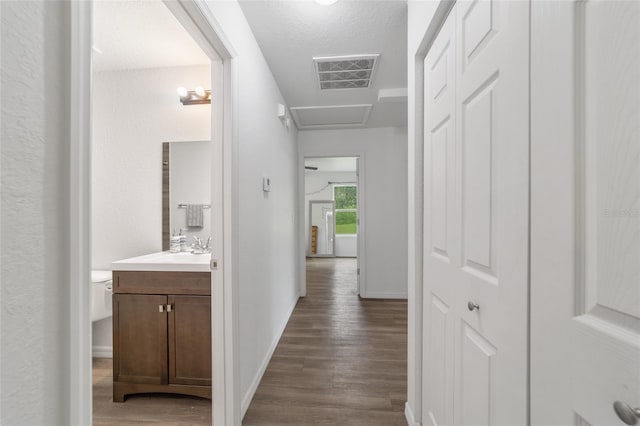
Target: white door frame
{"type": "Point", "coordinates": [302, 258]}
{"type": "Point", "coordinates": [198, 20]}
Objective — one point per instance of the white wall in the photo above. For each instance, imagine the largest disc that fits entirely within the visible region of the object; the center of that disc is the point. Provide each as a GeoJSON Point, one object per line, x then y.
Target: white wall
{"type": "Point", "coordinates": [134, 112]}
{"type": "Point", "coordinates": [383, 160]}
{"type": "Point", "coordinates": [34, 298]}
{"type": "Point", "coordinates": [316, 187]}
{"type": "Point", "coordinates": [420, 14]}
{"type": "Point", "coordinates": [267, 222]}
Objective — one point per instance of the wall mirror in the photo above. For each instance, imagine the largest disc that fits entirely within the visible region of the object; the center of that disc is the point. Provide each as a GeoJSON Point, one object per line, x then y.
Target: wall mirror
{"type": "Point", "coordinates": [321, 228]}
{"type": "Point", "coordinates": [186, 180]}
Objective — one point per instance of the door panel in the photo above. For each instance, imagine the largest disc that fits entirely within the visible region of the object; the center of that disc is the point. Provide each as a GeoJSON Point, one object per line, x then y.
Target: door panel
{"type": "Point", "coordinates": [190, 340]}
{"type": "Point", "coordinates": [476, 377]}
{"type": "Point", "coordinates": [439, 361]}
{"type": "Point", "coordinates": [607, 325]}
{"type": "Point", "coordinates": [476, 215]}
{"type": "Point", "coordinates": [140, 339]}
{"type": "Point", "coordinates": [477, 174]}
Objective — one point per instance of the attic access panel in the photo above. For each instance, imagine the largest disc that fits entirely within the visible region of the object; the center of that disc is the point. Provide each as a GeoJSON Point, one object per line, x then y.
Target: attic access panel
{"type": "Point", "coordinates": [345, 72]}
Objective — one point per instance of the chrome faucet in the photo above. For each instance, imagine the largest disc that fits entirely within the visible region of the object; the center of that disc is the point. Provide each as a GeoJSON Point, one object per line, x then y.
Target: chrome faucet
{"type": "Point", "coordinates": [199, 248]}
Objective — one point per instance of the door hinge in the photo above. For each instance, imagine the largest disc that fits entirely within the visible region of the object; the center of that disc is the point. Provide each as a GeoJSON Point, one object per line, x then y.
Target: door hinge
{"type": "Point", "coordinates": [214, 264]}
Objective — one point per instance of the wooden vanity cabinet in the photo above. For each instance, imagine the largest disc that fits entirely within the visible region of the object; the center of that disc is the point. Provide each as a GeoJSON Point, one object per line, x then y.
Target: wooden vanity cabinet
{"type": "Point", "coordinates": [161, 333]}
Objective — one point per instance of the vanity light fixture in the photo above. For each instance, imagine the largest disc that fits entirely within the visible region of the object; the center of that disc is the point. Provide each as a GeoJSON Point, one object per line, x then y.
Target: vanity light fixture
{"type": "Point", "coordinates": [199, 96]}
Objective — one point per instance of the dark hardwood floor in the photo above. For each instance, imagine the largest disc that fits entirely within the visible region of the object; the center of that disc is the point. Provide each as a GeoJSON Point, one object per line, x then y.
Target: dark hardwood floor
{"type": "Point", "coordinates": [164, 409]}
{"type": "Point", "coordinates": [340, 361]}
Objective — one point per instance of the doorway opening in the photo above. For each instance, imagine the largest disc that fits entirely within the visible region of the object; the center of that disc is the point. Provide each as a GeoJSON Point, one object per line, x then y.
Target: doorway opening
{"type": "Point", "coordinates": [197, 21]}
{"type": "Point", "coordinates": [141, 56]}
{"type": "Point", "coordinates": [333, 207]}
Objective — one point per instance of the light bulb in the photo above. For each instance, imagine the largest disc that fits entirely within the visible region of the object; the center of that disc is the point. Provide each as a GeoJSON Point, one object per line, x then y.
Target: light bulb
{"type": "Point", "coordinates": [200, 92]}
{"type": "Point", "coordinates": [182, 92]}
{"type": "Point", "coordinates": [326, 2]}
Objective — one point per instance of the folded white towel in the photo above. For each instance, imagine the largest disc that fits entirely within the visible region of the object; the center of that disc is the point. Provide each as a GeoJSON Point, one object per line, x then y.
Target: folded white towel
{"type": "Point", "coordinates": [195, 216]}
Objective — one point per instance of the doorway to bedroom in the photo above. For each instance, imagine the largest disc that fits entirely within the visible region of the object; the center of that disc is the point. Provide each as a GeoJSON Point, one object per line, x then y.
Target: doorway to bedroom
{"type": "Point", "coordinates": [332, 217]}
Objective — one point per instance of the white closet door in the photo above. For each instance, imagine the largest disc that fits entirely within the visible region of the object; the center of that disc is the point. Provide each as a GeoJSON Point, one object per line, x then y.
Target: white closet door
{"type": "Point", "coordinates": [591, 349]}
{"type": "Point", "coordinates": [476, 217]}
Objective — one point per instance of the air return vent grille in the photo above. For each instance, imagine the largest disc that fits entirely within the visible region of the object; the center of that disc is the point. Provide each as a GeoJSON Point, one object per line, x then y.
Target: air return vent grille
{"type": "Point", "coordinates": [345, 72]}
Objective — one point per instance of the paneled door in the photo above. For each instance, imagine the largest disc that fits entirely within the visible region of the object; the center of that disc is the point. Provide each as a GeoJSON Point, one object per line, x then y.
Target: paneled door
{"type": "Point", "coordinates": [477, 216]}
{"type": "Point", "coordinates": [586, 213]}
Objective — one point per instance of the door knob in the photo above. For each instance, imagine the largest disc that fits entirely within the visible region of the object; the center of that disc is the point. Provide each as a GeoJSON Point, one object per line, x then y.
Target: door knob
{"type": "Point", "coordinates": [472, 306]}
{"type": "Point", "coordinates": [627, 414]}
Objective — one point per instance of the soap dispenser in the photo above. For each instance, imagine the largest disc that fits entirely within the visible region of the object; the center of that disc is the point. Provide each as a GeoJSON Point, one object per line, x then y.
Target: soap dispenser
{"type": "Point", "coordinates": [183, 241]}
{"type": "Point", "coordinates": [174, 242]}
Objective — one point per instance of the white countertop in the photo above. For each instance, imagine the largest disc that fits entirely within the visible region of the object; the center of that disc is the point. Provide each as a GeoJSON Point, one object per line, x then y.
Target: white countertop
{"type": "Point", "coordinates": [165, 261]}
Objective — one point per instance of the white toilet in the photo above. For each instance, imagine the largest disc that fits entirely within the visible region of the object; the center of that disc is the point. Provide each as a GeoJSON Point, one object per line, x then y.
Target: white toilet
{"type": "Point", "coordinates": [101, 289]}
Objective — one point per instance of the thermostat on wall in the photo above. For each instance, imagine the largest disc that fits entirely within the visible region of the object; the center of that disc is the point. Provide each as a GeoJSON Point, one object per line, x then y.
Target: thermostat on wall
{"type": "Point", "coordinates": [266, 184]}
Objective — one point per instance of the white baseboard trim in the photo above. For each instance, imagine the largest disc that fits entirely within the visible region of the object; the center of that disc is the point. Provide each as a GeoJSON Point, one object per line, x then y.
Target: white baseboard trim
{"type": "Point", "coordinates": [248, 396]}
{"type": "Point", "coordinates": [408, 414]}
{"type": "Point", "coordinates": [384, 295]}
{"type": "Point", "coordinates": [102, 352]}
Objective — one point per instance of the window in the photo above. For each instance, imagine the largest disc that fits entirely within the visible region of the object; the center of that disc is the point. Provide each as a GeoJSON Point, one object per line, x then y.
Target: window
{"type": "Point", "coordinates": [346, 199]}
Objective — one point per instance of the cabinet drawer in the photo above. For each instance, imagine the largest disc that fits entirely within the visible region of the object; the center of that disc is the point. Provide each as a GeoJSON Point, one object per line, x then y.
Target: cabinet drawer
{"type": "Point", "coordinates": [156, 282]}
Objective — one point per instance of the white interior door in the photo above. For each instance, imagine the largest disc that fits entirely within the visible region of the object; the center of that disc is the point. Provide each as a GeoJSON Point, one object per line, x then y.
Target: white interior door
{"type": "Point", "coordinates": [586, 273]}
{"type": "Point", "coordinates": [476, 217]}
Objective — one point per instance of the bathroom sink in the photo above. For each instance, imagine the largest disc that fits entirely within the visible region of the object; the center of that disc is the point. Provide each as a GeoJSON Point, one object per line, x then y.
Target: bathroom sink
{"type": "Point", "coordinates": [165, 261]}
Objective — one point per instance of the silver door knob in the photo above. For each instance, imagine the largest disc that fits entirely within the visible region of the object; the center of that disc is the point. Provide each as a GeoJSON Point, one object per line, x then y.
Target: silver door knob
{"type": "Point", "coordinates": [627, 414]}
{"type": "Point", "coordinates": [473, 306]}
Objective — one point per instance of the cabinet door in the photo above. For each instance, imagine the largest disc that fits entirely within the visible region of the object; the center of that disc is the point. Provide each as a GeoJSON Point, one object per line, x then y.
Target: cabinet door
{"type": "Point", "coordinates": [190, 340]}
{"type": "Point", "coordinates": [139, 338]}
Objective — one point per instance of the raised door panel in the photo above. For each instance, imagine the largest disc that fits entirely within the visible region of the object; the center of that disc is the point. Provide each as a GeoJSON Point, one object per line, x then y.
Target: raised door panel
{"type": "Point", "coordinates": [140, 339]}
{"type": "Point", "coordinates": [190, 340]}
{"type": "Point", "coordinates": [440, 144]}
{"type": "Point", "coordinates": [478, 174]}
{"type": "Point", "coordinates": [606, 329]}
{"type": "Point", "coordinates": [477, 391]}
{"type": "Point", "coordinates": [439, 364]}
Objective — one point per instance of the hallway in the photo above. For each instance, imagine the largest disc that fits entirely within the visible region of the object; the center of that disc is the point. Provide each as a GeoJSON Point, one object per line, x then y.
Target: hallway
{"type": "Point", "coordinates": [341, 360]}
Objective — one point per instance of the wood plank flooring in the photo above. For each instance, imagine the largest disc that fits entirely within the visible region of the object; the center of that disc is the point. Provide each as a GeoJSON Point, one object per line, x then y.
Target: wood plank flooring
{"type": "Point", "coordinates": [164, 409]}
{"type": "Point", "coordinates": [340, 361]}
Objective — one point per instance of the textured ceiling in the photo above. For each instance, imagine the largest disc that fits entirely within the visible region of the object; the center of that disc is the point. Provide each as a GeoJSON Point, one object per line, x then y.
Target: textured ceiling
{"type": "Point", "coordinates": [136, 34]}
{"type": "Point", "coordinates": [291, 33]}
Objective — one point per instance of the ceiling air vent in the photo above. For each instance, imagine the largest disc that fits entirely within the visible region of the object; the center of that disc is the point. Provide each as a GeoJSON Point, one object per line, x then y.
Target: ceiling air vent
{"type": "Point", "coordinates": [345, 72]}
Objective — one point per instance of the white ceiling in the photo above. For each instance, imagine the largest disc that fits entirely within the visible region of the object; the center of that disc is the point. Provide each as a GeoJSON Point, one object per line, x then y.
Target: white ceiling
{"type": "Point", "coordinates": [136, 34]}
{"type": "Point", "coordinates": [291, 33]}
{"type": "Point", "coordinates": [332, 164]}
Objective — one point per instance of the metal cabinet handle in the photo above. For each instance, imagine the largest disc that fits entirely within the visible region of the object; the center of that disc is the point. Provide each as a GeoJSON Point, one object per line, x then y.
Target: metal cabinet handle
{"type": "Point", "coordinates": [627, 414]}
{"type": "Point", "coordinates": [160, 308]}
{"type": "Point", "coordinates": [168, 308]}
{"type": "Point", "coordinates": [472, 306]}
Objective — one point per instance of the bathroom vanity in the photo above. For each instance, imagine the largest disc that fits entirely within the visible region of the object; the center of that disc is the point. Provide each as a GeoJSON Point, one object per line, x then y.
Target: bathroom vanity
{"type": "Point", "coordinates": [162, 325]}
